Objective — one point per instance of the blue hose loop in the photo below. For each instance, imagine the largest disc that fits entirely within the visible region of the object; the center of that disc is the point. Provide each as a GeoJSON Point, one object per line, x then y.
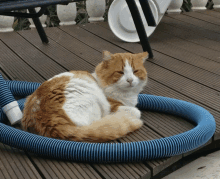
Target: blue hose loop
{"type": "Point", "coordinates": [5, 94]}
{"type": "Point", "coordinates": [118, 152]}
{"type": "Point", "coordinates": [22, 88]}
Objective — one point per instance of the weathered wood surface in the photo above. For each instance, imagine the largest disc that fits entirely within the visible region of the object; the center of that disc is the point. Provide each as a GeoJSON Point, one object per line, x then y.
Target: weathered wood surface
{"type": "Point", "coordinates": [186, 66]}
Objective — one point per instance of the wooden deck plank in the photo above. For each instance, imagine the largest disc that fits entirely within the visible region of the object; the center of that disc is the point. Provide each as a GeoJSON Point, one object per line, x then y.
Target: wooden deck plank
{"type": "Point", "coordinates": [15, 164]}
{"type": "Point", "coordinates": [62, 170]}
{"type": "Point", "coordinates": [33, 57]}
{"type": "Point", "coordinates": [41, 167]}
{"type": "Point", "coordinates": [196, 22]}
{"type": "Point", "coordinates": [130, 170]}
{"type": "Point", "coordinates": [9, 165]}
{"type": "Point", "coordinates": [168, 123]}
{"type": "Point", "coordinates": [150, 133]}
{"type": "Point", "coordinates": [59, 54]}
{"type": "Point", "coordinates": [192, 35]}
{"type": "Point", "coordinates": [203, 17]}
{"type": "Point", "coordinates": [89, 170]}
{"type": "Point", "coordinates": [22, 165]}
{"type": "Point", "coordinates": [81, 171]}
{"type": "Point", "coordinates": [111, 169]}
{"type": "Point", "coordinates": [73, 167]}
{"type": "Point", "coordinates": [216, 9]}
{"type": "Point", "coordinates": [29, 165]}
{"type": "Point", "coordinates": [164, 163]}
{"type": "Point", "coordinates": [185, 25]}
{"type": "Point", "coordinates": [75, 46]}
{"type": "Point", "coordinates": [4, 74]}
{"type": "Point", "coordinates": [115, 169]}
{"type": "Point", "coordinates": [89, 38]}
{"type": "Point", "coordinates": [187, 57]}
{"type": "Point", "coordinates": [103, 170]}
{"type": "Point", "coordinates": [3, 169]}
{"type": "Point", "coordinates": [74, 170]}
{"type": "Point", "coordinates": [189, 46]}
{"type": "Point", "coordinates": [137, 169]}
{"type": "Point", "coordinates": [67, 170]}
{"type": "Point", "coordinates": [74, 32]}
{"type": "Point", "coordinates": [189, 36]}
{"type": "Point", "coordinates": [54, 168]}
{"type": "Point", "coordinates": [1, 174]}
{"type": "Point", "coordinates": [211, 13]}
{"type": "Point", "coordinates": [196, 91]}
{"type": "Point", "coordinates": [47, 167]}
{"type": "Point", "coordinates": [15, 67]}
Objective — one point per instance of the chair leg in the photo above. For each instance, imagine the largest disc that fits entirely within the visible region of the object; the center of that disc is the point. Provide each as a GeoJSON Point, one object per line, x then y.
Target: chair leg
{"type": "Point", "coordinates": [139, 27]}
{"type": "Point", "coordinates": [39, 27]}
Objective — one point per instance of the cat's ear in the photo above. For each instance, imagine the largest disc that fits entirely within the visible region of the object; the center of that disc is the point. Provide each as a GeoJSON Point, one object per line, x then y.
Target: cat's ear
{"type": "Point", "coordinates": [144, 56]}
{"type": "Point", "coordinates": [106, 55]}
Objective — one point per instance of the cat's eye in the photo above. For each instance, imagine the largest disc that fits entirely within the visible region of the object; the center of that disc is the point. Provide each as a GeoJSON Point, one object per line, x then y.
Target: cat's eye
{"type": "Point", "coordinates": [135, 71]}
{"type": "Point", "coordinates": [120, 72]}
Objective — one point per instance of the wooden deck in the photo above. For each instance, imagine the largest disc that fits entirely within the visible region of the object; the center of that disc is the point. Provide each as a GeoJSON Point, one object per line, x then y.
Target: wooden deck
{"type": "Point", "coordinates": [186, 66]}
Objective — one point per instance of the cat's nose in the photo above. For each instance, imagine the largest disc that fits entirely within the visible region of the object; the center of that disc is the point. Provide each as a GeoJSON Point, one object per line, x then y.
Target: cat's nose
{"type": "Point", "coordinates": [129, 80]}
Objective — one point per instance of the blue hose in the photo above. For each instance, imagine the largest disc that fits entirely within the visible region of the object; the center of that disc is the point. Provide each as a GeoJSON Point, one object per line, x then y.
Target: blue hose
{"type": "Point", "coordinates": [6, 95]}
{"type": "Point", "coordinates": [114, 152]}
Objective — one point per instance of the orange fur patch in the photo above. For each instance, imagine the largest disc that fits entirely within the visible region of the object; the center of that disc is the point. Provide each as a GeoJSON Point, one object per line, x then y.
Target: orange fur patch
{"type": "Point", "coordinates": [85, 75]}
{"type": "Point", "coordinates": [114, 104]}
{"type": "Point", "coordinates": [43, 109]}
{"type": "Point", "coordinates": [108, 69]}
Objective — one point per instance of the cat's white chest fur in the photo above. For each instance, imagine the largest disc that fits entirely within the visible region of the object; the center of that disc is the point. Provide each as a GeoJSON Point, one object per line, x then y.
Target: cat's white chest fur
{"type": "Point", "coordinates": [85, 101]}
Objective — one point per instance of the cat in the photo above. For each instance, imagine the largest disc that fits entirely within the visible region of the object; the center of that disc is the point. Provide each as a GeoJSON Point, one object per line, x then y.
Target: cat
{"type": "Point", "coordinates": [97, 107]}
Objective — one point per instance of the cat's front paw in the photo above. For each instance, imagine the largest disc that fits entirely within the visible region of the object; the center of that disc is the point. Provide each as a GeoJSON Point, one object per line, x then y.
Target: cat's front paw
{"type": "Point", "coordinates": [132, 110]}
{"type": "Point", "coordinates": [136, 112]}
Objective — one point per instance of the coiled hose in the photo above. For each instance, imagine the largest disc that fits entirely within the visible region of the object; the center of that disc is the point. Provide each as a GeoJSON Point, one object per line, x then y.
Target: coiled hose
{"type": "Point", "coordinates": [113, 152]}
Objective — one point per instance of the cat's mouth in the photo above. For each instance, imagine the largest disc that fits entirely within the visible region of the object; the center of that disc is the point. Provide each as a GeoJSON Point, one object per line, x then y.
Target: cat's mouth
{"type": "Point", "coordinates": [131, 86]}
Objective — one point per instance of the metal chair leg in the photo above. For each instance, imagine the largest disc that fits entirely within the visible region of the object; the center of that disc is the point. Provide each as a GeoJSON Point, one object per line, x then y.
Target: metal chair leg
{"type": "Point", "coordinates": [39, 27]}
{"type": "Point", "coordinates": [139, 27]}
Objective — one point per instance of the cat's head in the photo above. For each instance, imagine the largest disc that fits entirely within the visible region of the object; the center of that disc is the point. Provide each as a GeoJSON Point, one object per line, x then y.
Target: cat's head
{"type": "Point", "coordinates": [124, 71]}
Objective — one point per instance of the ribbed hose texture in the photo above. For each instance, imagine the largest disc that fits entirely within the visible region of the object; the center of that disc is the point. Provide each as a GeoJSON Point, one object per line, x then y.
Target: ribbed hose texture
{"type": "Point", "coordinates": [117, 152]}
{"type": "Point", "coordinates": [22, 88]}
{"type": "Point", "coordinates": [5, 94]}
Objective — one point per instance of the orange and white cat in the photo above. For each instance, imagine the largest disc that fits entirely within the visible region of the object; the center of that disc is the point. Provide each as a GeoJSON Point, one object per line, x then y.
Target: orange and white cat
{"type": "Point", "coordinates": [96, 107]}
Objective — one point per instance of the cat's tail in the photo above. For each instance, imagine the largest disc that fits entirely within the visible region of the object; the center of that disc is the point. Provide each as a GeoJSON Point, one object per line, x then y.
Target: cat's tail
{"type": "Point", "coordinates": [109, 128]}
